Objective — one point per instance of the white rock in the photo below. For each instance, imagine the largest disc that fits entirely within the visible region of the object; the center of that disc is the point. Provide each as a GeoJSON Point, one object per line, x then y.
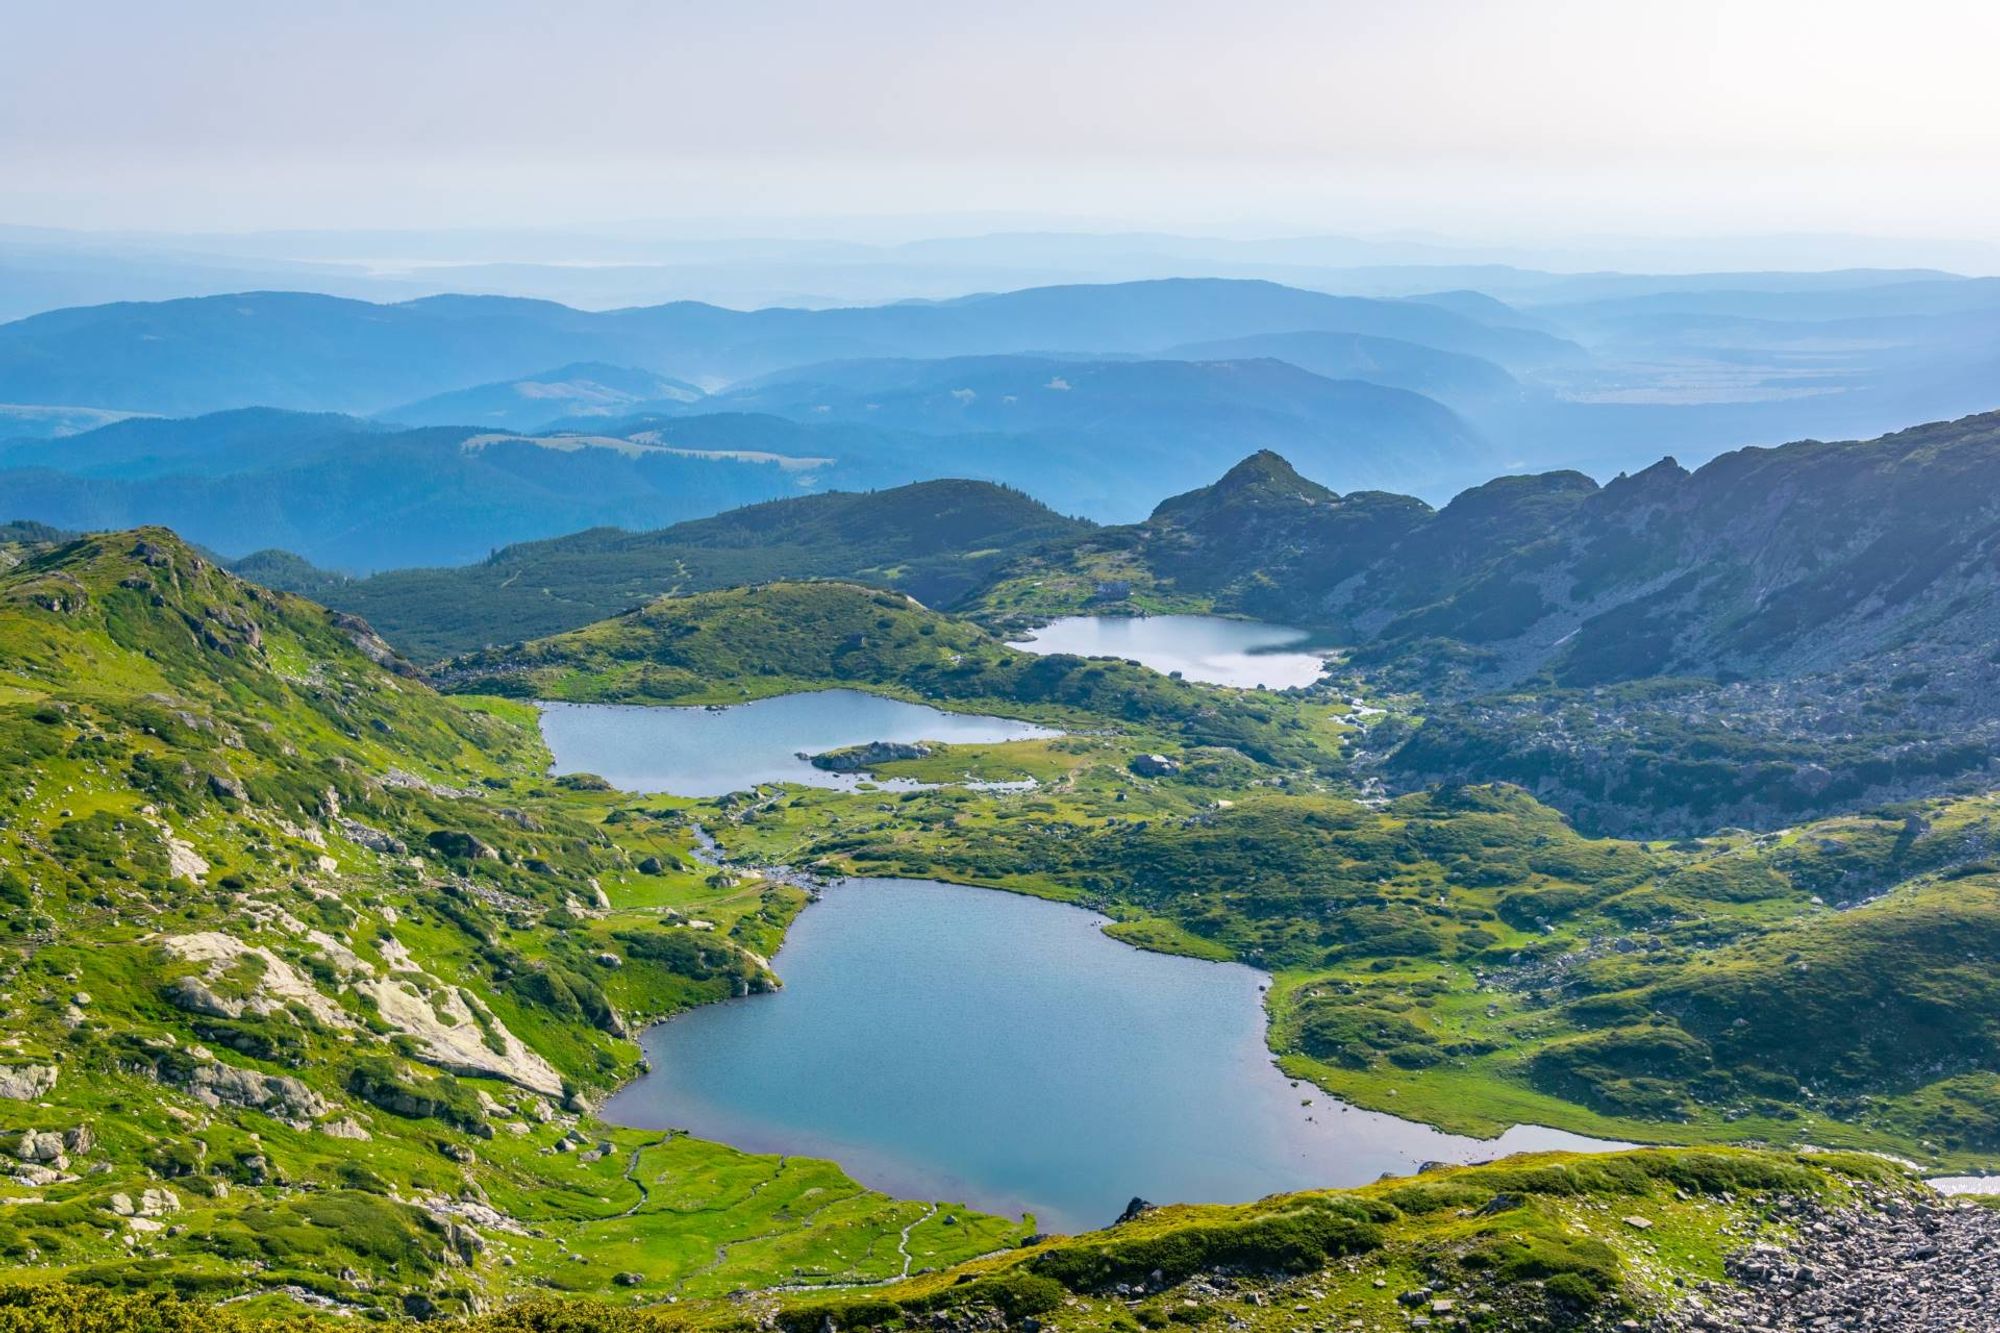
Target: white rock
{"type": "Point", "coordinates": [26, 1083]}
{"type": "Point", "coordinates": [280, 983]}
{"type": "Point", "coordinates": [347, 1127]}
{"type": "Point", "coordinates": [159, 1202]}
{"type": "Point", "coordinates": [459, 1044]}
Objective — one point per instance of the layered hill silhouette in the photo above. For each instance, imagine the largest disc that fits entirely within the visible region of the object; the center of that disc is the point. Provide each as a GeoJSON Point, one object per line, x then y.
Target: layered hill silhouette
{"type": "Point", "coordinates": [580, 390]}
{"type": "Point", "coordinates": [1460, 381]}
{"type": "Point", "coordinates": [1094, 434]}
{"type": "Point", "coordinates": [357, 495]}
{"type": "Point", "coordinates": [1779, 633]}
{"type": "Point", "coordinates": [307, 352]}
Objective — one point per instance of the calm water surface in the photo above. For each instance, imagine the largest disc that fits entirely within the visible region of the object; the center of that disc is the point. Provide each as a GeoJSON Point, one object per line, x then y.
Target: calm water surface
{"type": "Point", "coordinates": [952, 1043]}
{"type": "Point", "coordinates": [1244, 653]}
{"type": "Point", "coordinates": [704, 752]}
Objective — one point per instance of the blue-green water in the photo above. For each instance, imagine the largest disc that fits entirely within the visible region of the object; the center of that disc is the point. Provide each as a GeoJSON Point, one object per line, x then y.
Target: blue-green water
{"type": "Point", "coordinates": [1244, 653]}
{"type": "Point", "coordinates": [714, 751]}
{"type": "Point", "coordinates": [951, 1043]}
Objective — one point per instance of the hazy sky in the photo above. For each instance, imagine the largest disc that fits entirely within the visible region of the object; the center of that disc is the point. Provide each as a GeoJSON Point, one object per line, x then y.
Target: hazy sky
{"type": "Point", "coordinates": [1499, 119]}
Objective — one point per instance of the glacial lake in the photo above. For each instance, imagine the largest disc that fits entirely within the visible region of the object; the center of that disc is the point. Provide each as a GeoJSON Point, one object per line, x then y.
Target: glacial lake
{"type": "Point", "coordinates": [942, 1042]}
{"type": "Point", "coordinates": [1244, 653]}
{"type": "Point", "coordinates": [715, 751]}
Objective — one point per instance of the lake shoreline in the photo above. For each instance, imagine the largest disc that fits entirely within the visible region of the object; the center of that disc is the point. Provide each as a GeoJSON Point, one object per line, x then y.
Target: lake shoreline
{"type": "Point", "coordinates": [917, 1180]}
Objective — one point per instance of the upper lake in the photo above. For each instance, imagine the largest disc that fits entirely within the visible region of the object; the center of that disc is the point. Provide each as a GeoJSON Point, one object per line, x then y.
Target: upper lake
{"type": "Point", "coordinates": [1245, 653]}
{"type": "Point", "coordinates": [952, 1043]}
{"type": "Point", "coordinates": [714, 751]}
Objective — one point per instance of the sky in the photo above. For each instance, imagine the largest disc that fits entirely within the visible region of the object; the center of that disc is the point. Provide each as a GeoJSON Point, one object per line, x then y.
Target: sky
{"type": "Point", "coordinates": [1503, 120]}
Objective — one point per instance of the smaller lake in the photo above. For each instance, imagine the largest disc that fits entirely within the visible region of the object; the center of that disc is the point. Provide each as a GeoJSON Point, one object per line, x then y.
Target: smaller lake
{"type": "Point", "coordinates": [1244, 653]}
{"type": "Point", "coordinates": [711, 752]}
{"type": "Point", "coordinates": [961, 1044]}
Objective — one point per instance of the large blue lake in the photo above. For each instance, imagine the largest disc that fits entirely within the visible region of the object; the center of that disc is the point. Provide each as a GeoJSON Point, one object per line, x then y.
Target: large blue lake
{"type": "Point", "coordinates": [714, 751]}
{"type": "Point", "coordinates": [966, 1044]}
{"type": "Point", "coordinates": [1244, 653]}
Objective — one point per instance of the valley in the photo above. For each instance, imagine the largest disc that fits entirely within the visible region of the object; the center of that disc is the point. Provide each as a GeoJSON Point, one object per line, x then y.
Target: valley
{"type": "Point", "coordinates": [1459, 955]}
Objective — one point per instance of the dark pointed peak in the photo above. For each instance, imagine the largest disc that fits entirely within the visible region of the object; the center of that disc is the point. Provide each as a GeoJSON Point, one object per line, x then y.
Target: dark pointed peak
{"type": "Point", "coordinates": [1667, 474]}
{"type": "Point", "coordinates": [1264, 465]}
{"type": "Point", "coordinates": [1262, 478]}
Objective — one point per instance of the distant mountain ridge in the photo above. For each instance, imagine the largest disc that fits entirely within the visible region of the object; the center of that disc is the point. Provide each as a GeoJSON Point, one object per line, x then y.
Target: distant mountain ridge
{"type": "Point", "coordinates": [359, 495]}
{"type": "Point", "coordinates": [580, 390]}
{"type": "Point", "coordinates": [1457, 380]}
{"type": "Point", "coordinates": [306, 352]}
{"type": "Point", "coordinates": [1093, 434]}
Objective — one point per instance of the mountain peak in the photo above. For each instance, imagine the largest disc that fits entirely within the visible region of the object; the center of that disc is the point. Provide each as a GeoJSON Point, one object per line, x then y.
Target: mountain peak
{"type": "Point", "coordinates": [1264, 465]}
{"type": "Point", "coordinates": [1263, 478]}
{"type": "Point", "coordinates": [1649, 482]}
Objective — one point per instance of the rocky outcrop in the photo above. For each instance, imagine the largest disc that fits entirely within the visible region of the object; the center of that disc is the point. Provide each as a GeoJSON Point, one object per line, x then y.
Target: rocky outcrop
{"type": "Point", "coordinates": [183, 862]}
{"type": "Point", "coordinates": [279, 1096]}
{"type": "Point", "coordinates": [439, 1019]}
{"type": "Point", "coordinates": [449, 1035]}
{"type": "Point", "coordinates": [860, 758]}
{"type": "Point", "coordinates": [194, 995]}
{"type": "Point", "coordinates": [455, 845]}
{"type": "Point", "coordinates": [346, 1127]}
{"type": "Point", "coordinates": [398, 780]}
{"type": "Point", "coordinates": [150, 1203]}
{"type": "Point", "coordinates": [374, 839]}
{"type": "Point", "coordinates": [42, 1146]}
{"type": "Point", "coordinates": [42, 1157]}
{"type": "Point", "coordinates": [277, 984]}
{"type": "Point", "coordinates": [26, 1083]}
{"type": "Point", "coordinates": [371, 645]}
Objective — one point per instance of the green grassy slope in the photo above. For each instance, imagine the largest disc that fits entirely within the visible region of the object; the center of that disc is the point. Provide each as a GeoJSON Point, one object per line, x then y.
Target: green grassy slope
{"type": "Point", "coordinates": [1530, 1242]}
{"type": "Point", "coordinates": [311, 977]}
